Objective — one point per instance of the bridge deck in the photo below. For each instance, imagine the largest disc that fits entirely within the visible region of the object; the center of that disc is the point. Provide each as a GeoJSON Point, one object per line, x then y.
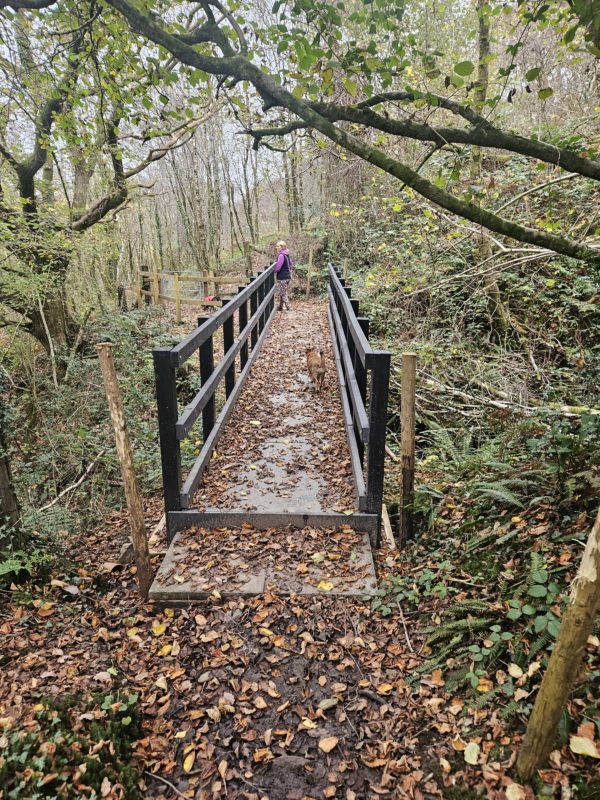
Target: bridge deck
{"type": "Point", "coordinates": [283, 452]}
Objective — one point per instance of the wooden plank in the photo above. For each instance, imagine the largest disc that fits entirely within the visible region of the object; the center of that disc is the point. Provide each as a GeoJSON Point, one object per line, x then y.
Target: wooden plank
{"type": "Point", "coordinates": [180, 520]}
{"type": "Point", "coordinates": [355, 460]}
{"type": "Point", "coordinates": [181, 352]}
{"type": "Point", "coordinates": [195, 474]}
{"type": "Point", "coordinates": [388, 533]}
{"type": "Point", "coordinates": [358, 408]}
{"type": "Point", "coordinates": [191, 412]}
{"type": "Point", "coordinates": [407, 443]}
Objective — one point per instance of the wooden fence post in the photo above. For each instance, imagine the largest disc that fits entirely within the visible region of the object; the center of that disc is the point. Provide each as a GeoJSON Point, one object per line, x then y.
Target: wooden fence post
{"type": "Point", "coordinates": [155, 288]}
{"type": "Point", "coordinates": [248, 259]}
{"type": "Point", "coordinates": [138, 289]}
{"type": "Point", "coordinates": [176, 279]}
{"type": "Point", "coordinates": [310, 262]}
{"type": "Point", "coordinates": [407, 433]}
{"type": "Point", "coordinates": [139, 539]}
{"type": "Point", "coordinates": [380, 379]}
{"type": "Point", "coordinates": [345, 269]}
{"type": "Point", "coordinates": [170, 455]}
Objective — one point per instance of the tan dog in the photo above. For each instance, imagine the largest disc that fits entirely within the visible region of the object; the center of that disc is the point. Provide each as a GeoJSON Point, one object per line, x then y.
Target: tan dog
{"type": "Point", "coordinates": [315, 364]}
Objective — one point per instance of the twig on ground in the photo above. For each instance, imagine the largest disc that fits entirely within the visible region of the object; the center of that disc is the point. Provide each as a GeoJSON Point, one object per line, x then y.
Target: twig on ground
{"type": "Point", "coordinates": [391, 454]}
{"type": "Point", "coordinates": [372, 696]}
{"type": "Point", "coordinates": [408, 642]}
{"type": "Point", "coordinates": [167, 783]}
{"type": "Point", "coordinates": [73, 485]}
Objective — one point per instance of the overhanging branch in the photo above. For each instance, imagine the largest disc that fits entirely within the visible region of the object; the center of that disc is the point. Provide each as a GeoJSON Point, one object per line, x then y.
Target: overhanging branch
{"type": "Point", "coordinates": [274, 95]}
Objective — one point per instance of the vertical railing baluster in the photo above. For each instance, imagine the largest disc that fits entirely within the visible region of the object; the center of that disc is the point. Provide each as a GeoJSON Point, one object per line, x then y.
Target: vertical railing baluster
{"type": "Point", "coordinates": [228, 339]}
{"type": "Point", "coordinates": [243, 321]}
{"type": "Point", "coordinates": [253, 309]}
{"type": "Point", "coordinates": [207, 365]}
{"type": "Point", "coordinates": [170, 455]}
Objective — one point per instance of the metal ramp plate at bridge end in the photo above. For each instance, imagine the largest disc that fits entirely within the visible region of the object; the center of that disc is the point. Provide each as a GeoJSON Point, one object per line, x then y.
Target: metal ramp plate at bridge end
{"type": "Point", "coordinates": [245, 561]}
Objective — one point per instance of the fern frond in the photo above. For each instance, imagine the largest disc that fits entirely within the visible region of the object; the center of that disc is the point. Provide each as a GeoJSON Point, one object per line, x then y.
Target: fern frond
{"type": "Point", "coordinates": [485, 698]}
{"type": "Point", "coordinates": [463, 626]}
{"type": "Point", "coordinates": [540, 643]}
{"type": "Point", "coordinates": [497, 490]}
{"type": "Point", "coordinates": [467, 607]}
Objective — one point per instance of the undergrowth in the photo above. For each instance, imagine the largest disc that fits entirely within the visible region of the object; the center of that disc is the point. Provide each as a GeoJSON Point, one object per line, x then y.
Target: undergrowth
{"type": "Point", "coordinates": [74, 747]}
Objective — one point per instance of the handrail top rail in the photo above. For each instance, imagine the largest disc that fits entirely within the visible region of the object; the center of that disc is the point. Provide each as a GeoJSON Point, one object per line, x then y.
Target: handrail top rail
{"type": "Point", "coordinates": [235, 277]}
{"type": "Point", "coordinates": [182, 351]}
{"type": "Point", "coordinates": [365, 352]}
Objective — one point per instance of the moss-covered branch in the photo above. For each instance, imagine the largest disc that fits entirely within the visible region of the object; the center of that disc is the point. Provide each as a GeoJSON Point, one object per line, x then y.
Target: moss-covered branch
{"type": "Point", "coordinates": [274, 95]}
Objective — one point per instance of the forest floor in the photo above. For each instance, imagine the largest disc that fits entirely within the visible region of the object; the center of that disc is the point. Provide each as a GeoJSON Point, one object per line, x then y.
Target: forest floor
{"type": "Point", "coordinates": [278, 697]}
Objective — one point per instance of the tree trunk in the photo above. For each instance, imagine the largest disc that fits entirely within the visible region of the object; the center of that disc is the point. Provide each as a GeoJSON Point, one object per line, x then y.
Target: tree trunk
{"type": "Point", "coordinates": [52, 320]}
{"type": "Point", "coordinates": [565, 660]}
{"type": "Point", "coordinates": [9, 506]}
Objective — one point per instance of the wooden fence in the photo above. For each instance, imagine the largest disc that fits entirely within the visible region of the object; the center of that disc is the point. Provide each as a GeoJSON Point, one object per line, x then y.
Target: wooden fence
{"type": "Point", "coordinates": [153, 287]}
{"type": "Point", "coordinates": [254, 305]}
{"type": "Point", "coordinates": [363, 376]}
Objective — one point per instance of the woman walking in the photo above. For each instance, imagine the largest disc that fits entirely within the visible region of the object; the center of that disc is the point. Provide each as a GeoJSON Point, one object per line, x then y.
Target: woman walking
{"type": "Point", "coordinates": [283, 273]}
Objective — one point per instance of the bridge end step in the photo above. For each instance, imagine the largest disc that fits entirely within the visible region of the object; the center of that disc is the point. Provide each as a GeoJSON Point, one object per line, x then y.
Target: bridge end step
{"type": "Point", "coordinates": [248, 560]}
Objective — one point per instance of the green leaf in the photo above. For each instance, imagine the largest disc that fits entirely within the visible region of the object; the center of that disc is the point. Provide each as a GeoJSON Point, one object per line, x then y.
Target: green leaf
{"type": "Point", "coordinates": [544, 94]}
{"type": "Point", "coordinates": [532, 74]}
{"type": "Point", "coordinates": [537, 591]}
{"type": "Point", "coordinates": [540, 624]}
{"type": "Point", "coordinates": [553, 628]}
{"type": "Point", "coordinates": [540, 575]}
{"type": "Point", "coordinates": [464, 68]}
{"type": "Point", "coordinates": [350, 86]}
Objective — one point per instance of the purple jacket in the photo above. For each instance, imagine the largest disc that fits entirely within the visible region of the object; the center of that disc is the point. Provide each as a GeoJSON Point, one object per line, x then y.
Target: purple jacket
{"type": "Point", "coordinates": [283, 266]}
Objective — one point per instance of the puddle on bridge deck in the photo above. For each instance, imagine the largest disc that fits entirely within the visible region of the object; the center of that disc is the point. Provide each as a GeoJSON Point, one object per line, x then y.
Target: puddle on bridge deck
{"type": "Point", "coordinates": [277, 481]}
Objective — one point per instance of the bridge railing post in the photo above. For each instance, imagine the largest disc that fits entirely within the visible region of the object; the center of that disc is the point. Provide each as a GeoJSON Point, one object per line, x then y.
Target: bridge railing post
{"type": "Point", "coordinates": [380, 378]}
{"type": "Point", "coordinates": [207, 364]}
{"type": "Point", "coordinates": [170, 455]}
{"type": "Point", "coordinates": [228, 339]}
{"type": "Point", "coordinates": [253, 310]}
{"type": "Point", "coordinates": [242, 322]}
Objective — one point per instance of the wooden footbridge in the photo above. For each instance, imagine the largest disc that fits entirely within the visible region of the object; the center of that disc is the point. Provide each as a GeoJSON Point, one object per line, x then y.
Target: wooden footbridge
{"type": "Point", "coordinates": [277, 489]}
